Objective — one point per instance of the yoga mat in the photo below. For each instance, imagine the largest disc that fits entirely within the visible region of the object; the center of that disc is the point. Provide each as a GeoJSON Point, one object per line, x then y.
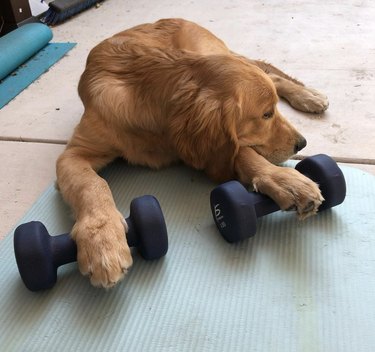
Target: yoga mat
{"type": "Point", "coordinates": [19, 45]}
{"type": "Point", "coordinates": [294, 287]}
{"type": "Point", "coordinates": [26, 46]}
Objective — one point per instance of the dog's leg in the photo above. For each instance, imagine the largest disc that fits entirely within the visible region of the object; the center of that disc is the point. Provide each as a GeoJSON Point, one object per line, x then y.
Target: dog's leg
{"type": "Point", "coordinates": [286, 186]}
{"type": "Point", "coordinates": [99, 231]}
{"type": "Point", "coordinates": [300, 97]}
{"type": "Point", "coordinates": [296, 93]}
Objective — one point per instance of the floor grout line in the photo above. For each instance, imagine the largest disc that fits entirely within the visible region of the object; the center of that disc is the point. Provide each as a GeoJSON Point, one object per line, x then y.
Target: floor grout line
{"type": "Point", "coordinates": [339, 159]}
{"type": "Point", "coordinates": [342, 159]}
{"type": "Point", "coordinates": [33, 140]}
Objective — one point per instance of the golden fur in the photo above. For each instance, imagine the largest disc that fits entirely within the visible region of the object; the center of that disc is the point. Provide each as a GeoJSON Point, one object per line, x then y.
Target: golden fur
{"type": "Point", "coordinates": [168, 91]}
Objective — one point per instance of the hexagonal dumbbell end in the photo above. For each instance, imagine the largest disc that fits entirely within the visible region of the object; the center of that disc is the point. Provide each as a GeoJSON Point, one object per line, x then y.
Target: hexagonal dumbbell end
{"type": "Point", "coordinates": [38, 254]}
{"type": "Point", "coordinates": [235, 210]}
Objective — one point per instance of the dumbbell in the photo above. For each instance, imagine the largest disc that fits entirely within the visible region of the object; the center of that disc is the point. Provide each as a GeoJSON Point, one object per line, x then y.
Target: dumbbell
{"type": "Point", "coordinates": [235, 210]}
{"type": "Point", "coordinates": [38, 254]}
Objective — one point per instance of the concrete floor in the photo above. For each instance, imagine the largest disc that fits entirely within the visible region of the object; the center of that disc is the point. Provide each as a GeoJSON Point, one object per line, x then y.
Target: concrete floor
{"type": "Point", "coordinates": [328, 45]}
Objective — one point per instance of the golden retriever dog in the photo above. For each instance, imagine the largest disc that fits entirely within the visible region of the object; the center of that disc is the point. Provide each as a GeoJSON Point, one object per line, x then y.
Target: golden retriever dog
{"type": "Point", "coordinates": [171, 91]}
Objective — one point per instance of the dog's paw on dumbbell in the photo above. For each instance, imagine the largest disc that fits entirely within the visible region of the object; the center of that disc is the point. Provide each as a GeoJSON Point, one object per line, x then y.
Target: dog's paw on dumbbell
{"type": "Point", "coordinates": [38, 254]}
{"type": "Point", "coordinates": [235, 210]}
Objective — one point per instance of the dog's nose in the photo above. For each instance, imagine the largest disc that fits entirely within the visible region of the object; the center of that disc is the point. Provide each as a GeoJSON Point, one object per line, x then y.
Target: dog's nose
{"type": "Point", "coordinates": [301, 143]}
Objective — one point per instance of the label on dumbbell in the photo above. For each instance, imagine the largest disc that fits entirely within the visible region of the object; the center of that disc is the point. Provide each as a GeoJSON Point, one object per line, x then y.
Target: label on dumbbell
{"type": "Point", "coordinates": [219, 218]}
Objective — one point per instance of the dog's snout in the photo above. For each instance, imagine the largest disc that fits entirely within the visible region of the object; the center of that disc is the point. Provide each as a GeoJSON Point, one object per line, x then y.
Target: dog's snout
{"type": "Point", "coordinates": [301, 143]}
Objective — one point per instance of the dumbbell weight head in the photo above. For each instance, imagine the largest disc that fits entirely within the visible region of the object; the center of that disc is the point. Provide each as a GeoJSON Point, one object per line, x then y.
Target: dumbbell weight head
{"type": "Point", "coordinates": [235, 210]}
{"type": "Point", "coordinates": [324, 171]}
{"type": "Point", "coordinates": [146, 221]}
{"type": "Point", "coordinates": [38, 255]}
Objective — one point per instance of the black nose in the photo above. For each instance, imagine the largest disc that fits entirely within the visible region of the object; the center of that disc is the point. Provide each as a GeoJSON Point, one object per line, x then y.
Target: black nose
{"type": "Point", "coordinates": [301, 143]}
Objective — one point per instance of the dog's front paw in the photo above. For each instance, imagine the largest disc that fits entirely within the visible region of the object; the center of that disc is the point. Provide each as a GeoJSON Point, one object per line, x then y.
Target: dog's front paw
{"type": "Point", "coordinates": [309, 100]}
{"type": "Point", "coordinates": [291, 191]}
{"type": "Point", "coordinates": [102, 251]}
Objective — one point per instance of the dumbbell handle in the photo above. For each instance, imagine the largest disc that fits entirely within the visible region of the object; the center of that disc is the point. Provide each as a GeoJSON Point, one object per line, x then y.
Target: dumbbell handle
{"type": "Point", "coordinates": [63, 247]}
{"type": "Point", "coordinates": [263, 204]}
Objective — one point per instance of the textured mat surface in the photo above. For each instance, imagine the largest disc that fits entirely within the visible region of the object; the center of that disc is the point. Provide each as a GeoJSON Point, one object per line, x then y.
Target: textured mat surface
{"type": "Point", "coordinates": [295, 286]}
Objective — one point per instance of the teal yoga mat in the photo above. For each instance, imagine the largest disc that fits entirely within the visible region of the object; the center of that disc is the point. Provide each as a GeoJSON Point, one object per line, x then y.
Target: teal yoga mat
{"type": "Point", "coordinates": [294, 287]}
{"type": "Point", "coordinates": [25, 54]}
{"type": "Point", "coordinates": [19, 45]}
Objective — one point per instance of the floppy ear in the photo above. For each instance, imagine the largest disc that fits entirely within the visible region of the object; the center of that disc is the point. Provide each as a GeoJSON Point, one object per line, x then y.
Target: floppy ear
{"type": "Point", "coordinates": [204, 133]}
{"type": "Point", "coordinates": [221, 167]}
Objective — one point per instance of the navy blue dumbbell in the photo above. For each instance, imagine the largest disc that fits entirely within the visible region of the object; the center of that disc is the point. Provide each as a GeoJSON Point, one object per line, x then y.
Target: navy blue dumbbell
{"type": "Point", "coordinates": [38, 254]}
{"type": "Point", "coordinates": [235, 210]}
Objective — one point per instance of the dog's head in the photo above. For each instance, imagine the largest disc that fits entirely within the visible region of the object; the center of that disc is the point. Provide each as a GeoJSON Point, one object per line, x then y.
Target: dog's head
{"type": "Point", "coordinates": [229, 104]}
{"type": "Point", "coordinates": [260, 125]}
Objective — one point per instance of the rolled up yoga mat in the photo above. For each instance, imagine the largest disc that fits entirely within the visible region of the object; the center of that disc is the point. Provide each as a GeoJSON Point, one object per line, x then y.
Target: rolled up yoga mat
{"type": "Point", "coordinates": [19, 45]}
{"type": "Point", "coordinates": [25, 54]}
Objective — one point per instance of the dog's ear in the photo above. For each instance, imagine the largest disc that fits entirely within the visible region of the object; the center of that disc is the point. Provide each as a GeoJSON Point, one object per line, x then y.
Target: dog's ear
{"type": "Point", "coordinates": [204, 133]}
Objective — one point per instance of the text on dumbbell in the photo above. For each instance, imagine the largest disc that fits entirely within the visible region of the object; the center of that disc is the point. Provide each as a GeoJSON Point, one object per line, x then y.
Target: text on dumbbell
{"type": "Point", "coordinates": [218, 216]}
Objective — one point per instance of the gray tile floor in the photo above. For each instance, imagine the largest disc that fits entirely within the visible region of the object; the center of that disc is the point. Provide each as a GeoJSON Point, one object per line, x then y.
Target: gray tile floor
{"type": "Point", "coordinates": [328, 45]}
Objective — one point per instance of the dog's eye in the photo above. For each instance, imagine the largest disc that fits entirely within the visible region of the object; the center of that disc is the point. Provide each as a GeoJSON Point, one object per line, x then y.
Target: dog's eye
{"type": "Point", "coordinates": [268, 115]}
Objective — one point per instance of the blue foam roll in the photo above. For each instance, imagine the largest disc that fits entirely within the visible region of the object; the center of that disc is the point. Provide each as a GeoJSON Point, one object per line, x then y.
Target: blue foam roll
{"type": "Point", "coordinates": [19, 45]}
